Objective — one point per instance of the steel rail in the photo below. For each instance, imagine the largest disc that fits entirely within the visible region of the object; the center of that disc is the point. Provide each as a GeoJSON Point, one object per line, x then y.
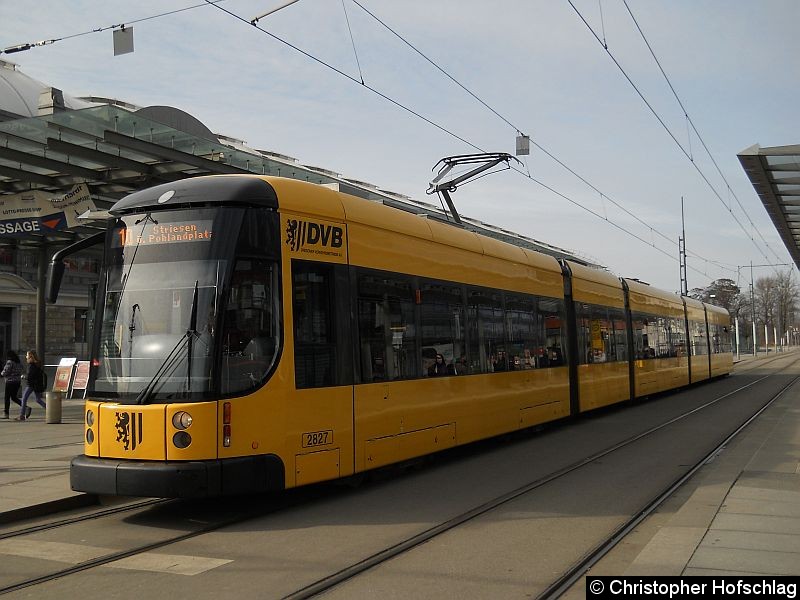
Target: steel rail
{"type": "Point", "coordinates": [330, 581]}
{"type": "Point", "coordinates": [80, 518]}
{"type": "Point", "coordinates": [578, 570]}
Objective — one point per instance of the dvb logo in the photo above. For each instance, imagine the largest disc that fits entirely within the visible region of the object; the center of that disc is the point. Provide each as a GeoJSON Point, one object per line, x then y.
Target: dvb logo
{"type": "Point", "coordinates": [305, 233]}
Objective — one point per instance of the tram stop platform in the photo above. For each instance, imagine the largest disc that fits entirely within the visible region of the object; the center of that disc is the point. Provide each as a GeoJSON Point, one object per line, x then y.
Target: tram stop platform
{"type": "Point", "coordinates": [740, 514]}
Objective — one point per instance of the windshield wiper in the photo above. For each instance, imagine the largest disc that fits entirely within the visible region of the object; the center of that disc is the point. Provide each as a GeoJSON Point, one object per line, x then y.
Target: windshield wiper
{"type": "Point", "coordinates": [132, 328]}
{"type": "Point", "coordinates": [191, 334]}
{"type": "Point", "coordinates": [172, 359]}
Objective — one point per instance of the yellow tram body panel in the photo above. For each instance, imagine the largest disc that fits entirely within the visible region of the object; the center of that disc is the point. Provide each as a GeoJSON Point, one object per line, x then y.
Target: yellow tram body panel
{"type": "Point", "coordinates": [653, 375]}
{"type": "Point", "coordinates": [600, 384]}
{"type": "Point", "coordinates": [409, 244]}
{"type": "Point", "coordinates": [603, 384]}
{"type": "Point", "coordinates": [400, 420]}
{"type": "Point", "coordinates": [721, 355]}
{"type": "Point", "coordinates": [698, 345]}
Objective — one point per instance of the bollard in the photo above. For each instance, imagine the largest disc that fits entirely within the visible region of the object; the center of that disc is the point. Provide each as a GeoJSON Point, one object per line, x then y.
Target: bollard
{"type": "Point", "coordinates": [53, 410]}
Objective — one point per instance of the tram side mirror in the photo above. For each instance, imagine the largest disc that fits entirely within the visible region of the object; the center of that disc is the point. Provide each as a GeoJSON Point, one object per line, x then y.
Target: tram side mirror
{"type": "Point", "coordinates": [55, 273]}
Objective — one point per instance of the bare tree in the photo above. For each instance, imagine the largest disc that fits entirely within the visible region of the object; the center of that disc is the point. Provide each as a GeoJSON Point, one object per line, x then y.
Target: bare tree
{"type": "Point", "coordinates": [787, 295]}
{"type": "Point", "coordinates": [777, 298]}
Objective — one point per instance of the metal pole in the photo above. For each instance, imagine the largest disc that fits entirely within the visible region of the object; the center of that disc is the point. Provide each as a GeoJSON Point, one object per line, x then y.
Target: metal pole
{"type": "Point", "coordinates": [682, 255]}
{"type": "Point", "coordinates": [41, 307]}
{"type": "Point", "coordinates": [775, 338]}
{"type": "Point", "coordinates": [753, 306]}
{"type": "Point", "coordinates": [738, 356]}
{"type": "Point", "coordinates": [766, 339]}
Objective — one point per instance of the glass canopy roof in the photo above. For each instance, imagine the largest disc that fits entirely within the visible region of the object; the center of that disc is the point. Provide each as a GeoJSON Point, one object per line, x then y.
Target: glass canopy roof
{"type": "Point", "coordinates": [775, 175]}
{"type": "Point", "coordinates": [116, 151]}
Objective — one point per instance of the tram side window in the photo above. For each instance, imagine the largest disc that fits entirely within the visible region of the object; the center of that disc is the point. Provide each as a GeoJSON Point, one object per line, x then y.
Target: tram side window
{"type": "Point", "coordinates": [487, 351]}
{"type": "Point", "coordinates": [553, 322]}
{"type": "Point", "coordinates": [720, 339]}
{"type": "Point", "coordinates": [658, 336]}
{"type": "Point", "coordinates": [602, 334]}
{"type": "Point", "coordinates": [697, 335]}
{"type": "Point", "coordinates": [251, 325]}
{"type": "Point", "coordinates": [620, 333]}
{"type": "Point", "coordinates": [388, 338]}
{"type": "Point", "coordinates": [522, 326]}
{"type": "Point", "coordinates": [320, 349]}
{"type": "Point", "coordinates": [442, 323]}
{"type": "Point", "coordinates": [678, 336]}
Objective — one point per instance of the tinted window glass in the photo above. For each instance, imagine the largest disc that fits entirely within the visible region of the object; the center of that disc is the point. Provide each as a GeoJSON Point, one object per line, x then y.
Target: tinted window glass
{"type": "Point", "coordinates": [386, 320]}
{"type": "Point", "coordinates": [251, 331]}
{"type": "Point", "coordinates": [314, 330]}
{"type": "Point", "coordinates": [442, 322]}
{"type": "Point", "coordinates": [602, 334]}
{"type": "Point", "coordinates": [487, 339]}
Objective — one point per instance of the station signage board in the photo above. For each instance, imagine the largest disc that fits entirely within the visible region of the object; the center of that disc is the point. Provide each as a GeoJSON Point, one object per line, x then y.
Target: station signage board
{"type": "Point", "coordinates": [36, 212]}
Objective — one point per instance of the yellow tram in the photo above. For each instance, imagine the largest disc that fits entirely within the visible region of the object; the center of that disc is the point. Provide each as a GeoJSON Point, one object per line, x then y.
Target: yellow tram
{"type": "Point", "coordinates": [259, 333]}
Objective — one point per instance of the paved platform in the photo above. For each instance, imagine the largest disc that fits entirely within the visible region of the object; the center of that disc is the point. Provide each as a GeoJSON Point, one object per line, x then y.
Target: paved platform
{"type": "Point", "coordinates": [740, 514]}
{"type": "Point", "coordinates": [34, 462]}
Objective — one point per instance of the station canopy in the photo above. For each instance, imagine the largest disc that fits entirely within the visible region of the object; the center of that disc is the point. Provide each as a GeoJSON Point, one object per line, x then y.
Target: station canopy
{"type": "Point", "coordinates": [775, 175]}
{"type": "Point", "coordinates": [116, 151]}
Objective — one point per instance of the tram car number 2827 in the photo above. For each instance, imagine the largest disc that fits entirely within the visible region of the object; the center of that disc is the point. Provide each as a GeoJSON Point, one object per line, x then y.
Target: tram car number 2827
{"type": "Point", "coordinates": [317, 438]}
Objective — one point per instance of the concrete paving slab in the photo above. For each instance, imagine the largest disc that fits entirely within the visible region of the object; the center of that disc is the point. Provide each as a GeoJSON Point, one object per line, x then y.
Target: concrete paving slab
{"type": "Point", "coordinates": [752, 561]}
{"type": "Point", "coordinates": [749, 540]}
{"type": "Point", "coordinates": [764, 495]}
{"type": "Point", "coordinates": [668, 551]}
{"type": "Point", "coordinates": [770, 480]}
{"type": "Point", "coordinates": [756, 523]}
{"type": "Point", "coordinates": [742, 506]}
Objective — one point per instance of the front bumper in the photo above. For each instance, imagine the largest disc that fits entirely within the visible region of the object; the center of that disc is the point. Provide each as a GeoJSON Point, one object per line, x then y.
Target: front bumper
{"type": "Point", "coordinates": [191, 479]}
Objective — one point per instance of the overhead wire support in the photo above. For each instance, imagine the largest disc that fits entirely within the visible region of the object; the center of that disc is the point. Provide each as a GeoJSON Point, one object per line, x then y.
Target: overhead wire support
{"type": "Point", "coordinates": [353, 41]}
{"type": "Point", "coordinates": [29, 45]}
{"type": "Point", "coordinates": [255, 20]}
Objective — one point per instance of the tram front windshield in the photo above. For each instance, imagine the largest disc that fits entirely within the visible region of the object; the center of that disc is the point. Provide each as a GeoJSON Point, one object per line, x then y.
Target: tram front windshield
{"type": "Point", "coordinates": [164, 294]}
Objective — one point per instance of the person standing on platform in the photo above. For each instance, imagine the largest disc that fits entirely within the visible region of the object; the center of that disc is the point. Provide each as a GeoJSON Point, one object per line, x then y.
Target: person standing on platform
{"type": "Point", "coordinates": [36, 384]}
{"type": "Point", "coordinates": [12, 371]}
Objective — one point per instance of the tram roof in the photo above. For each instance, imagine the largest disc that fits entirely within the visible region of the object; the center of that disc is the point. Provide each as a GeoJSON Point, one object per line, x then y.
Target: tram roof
{"type": "Point", "coordinates": [775, 175]}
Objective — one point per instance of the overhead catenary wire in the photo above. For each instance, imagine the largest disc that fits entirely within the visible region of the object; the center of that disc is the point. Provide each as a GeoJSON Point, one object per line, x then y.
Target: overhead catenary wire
{"type": "Point", "coordinates": [462, 139]}
{"type": "Point", "coordinates": [535, 143]}
{"type": "Point", "coordinates": [666, 128]}
{"type": "Point", "coordinates": [346, 75]}
{"type": "Point", "coordinates": [697, 133]}
{"type": "Point", "coordinates": [29, 45]}
{"type": "Point", "coordinates": [253, 22]}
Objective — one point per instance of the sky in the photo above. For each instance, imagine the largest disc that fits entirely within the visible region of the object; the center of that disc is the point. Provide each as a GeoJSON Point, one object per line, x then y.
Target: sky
{"type": "Point", "coordinates": [535, 67]}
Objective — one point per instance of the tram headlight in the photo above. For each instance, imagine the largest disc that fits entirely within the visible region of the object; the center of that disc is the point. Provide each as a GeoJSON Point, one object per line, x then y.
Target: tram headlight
{"type": "Point", "coordinates": [181, 439]}
{"type": "Point", "coordinates": [89, 436]}
{"type": "Point", "coordinates": [181, 420]}
{"type": "Point", "coordinates": [90, 418]}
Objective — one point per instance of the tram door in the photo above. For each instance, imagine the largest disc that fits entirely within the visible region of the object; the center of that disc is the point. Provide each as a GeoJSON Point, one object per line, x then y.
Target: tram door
{"type": "Point", "coordinates": [322, 410]}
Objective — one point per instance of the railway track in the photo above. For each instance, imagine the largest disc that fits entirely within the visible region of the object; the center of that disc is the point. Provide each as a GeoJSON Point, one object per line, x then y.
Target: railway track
{"type": "Point", "coordinates": [578, 569]}
{"type": "Point", "coordinates": [198, 523]}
